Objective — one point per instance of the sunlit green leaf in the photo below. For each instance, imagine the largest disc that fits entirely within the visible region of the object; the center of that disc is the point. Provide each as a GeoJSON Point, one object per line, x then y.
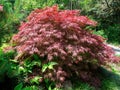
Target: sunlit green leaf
{"type": "Point", "coordinates": [19, 87]}
{"type": "Point", "coordinates": [35, 79]}
{"type": "Point", "coordinates": [45, 66]}
{"type": "Point", "coordinates": [51, 64]}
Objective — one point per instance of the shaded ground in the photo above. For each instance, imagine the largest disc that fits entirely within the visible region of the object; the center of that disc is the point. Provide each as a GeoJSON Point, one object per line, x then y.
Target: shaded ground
{"type": "Point", "coordinates": [109, 81]}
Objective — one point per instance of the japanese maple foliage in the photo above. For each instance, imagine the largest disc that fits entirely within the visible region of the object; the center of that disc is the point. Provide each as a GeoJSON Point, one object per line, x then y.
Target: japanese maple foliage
{"type": "Point", "coordinates": [52, 33]}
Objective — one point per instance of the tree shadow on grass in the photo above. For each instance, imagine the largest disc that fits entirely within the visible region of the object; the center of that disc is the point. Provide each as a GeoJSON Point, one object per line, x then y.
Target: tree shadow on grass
{"type": "Point", "coordinates": [110, 80]}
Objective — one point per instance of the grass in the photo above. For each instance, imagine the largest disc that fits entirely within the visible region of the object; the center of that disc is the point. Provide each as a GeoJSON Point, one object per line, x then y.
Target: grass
{"type": "Point", "coordinates": [83, 86]}
{"type": "Point", "coordinates": [109, 84]}
{"type": "Point", "coordinates": [111, 78]}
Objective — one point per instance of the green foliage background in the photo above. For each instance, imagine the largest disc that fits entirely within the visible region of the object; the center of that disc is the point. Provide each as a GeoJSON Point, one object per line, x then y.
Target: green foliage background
{"type": "Point", "coordinates": [105, 12]}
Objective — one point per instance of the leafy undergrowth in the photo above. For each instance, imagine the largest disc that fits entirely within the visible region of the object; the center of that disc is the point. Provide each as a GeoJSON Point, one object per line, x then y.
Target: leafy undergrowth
{"type": "Point", "coordinates": [110, 81]}
{"type": "Point", "coordinates": [7, 74]}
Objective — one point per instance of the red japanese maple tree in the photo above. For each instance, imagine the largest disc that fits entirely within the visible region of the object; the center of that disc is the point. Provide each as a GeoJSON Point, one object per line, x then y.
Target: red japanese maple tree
{"type": "Point", "coordinates": [52, 33]}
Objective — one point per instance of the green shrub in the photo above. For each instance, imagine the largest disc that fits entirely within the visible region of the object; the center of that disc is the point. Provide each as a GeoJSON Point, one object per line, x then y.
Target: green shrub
{"type": "Point", "coordinates": [20, 87]}
{"type": "Point", "coordinates": [101, 33]}
{"type": "Point", "coordinates": [5, 65]}
{"type": "Point", "coordinates": [113, 33]}
{"type": "Point", "coordinates": [9, 19]}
